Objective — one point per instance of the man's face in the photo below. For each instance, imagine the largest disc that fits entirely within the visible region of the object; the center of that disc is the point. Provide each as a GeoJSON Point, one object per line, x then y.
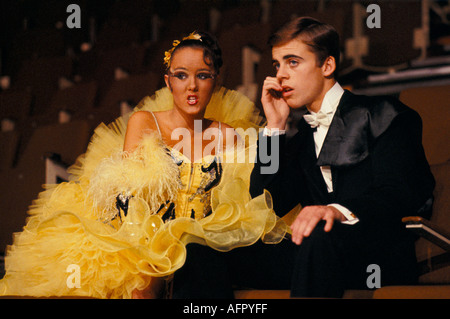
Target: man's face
{"type": "Point", "coordinates": [303, 81]}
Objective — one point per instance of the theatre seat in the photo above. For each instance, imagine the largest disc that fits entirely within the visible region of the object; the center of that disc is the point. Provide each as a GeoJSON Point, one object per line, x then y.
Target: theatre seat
{"type": "Point", "coordinates": [414, 292]}
{"type": "Point", "coordinates": [132, 88]}
{"type": "Point", "coordinates": [15, 104]}
{"type": "Point", "coordinates": [9, 142]}
{"type": "Point", "coordinates": [40, 76]}
{"type": "Point", "coordinates": [433, 246]}
{"type": "Point", "coordinates": [21, 184]}
{"type": "Point", "coordinates": [433, 105]}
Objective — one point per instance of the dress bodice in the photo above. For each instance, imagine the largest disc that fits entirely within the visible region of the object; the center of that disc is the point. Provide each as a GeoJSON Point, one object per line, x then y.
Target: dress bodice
{"type": "Point", "coordinates": [197, 179]}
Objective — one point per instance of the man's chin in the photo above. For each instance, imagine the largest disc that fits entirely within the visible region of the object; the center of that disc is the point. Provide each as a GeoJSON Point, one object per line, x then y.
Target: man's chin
{"type": "Point", "coordinates": [295, 104]}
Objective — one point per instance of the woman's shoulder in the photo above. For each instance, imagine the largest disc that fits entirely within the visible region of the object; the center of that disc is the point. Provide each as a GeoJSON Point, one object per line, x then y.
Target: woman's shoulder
{"type": "Point", "coordinates": [141, 117]}
{"type": "Point", "coordinates": [139, 123]}
{"type": "Point", "coordinates": [146, 119]}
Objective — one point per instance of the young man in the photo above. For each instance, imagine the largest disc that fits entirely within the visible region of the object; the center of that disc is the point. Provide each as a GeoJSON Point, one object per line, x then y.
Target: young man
{"type": "Point", "coordinates": [356, 166]}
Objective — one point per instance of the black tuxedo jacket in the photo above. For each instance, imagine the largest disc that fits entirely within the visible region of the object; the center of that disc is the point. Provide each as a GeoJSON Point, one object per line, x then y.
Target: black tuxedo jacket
{"type": "Point", "coordinates": [378, 165]}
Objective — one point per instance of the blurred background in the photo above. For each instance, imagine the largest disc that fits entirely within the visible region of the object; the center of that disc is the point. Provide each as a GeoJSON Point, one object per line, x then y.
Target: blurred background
{"type": "Point", "coordinates": [58, 83]}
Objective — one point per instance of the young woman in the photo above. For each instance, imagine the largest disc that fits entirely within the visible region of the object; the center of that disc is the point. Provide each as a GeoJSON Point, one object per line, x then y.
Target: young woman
{"type": "Point", "coordinates": [146, 187]}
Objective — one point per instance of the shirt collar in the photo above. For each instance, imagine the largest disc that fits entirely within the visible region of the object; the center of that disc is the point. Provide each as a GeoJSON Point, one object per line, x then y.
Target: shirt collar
{"type": "Point", "coordinates": [331, 100]}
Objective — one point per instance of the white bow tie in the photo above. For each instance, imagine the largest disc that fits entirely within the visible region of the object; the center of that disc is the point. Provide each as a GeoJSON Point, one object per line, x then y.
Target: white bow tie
{"type": "Point", "coordinates": [317, 119]}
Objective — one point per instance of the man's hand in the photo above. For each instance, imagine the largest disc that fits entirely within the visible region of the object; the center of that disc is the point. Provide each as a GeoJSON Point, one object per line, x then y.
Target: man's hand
{"type": "Point", "coordinates": [308, 218]}
{"type": "Point", "coordinates": [275, 107]}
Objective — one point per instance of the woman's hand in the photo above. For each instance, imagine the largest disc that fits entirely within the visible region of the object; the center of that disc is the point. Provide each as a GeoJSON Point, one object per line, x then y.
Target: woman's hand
{"type": "Point", "coordinates": [275, 107]}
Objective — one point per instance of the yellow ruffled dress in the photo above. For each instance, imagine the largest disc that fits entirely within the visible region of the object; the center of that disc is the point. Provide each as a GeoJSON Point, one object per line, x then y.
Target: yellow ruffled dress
{"type": "Point", "coordinates": [75, 244]}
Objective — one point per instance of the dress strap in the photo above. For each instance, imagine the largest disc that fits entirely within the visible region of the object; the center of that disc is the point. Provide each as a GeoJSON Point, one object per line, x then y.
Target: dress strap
{"type": "Point", "coordinates": [219, 140]}
{"type": "Point", "coordinates": [157, 125]}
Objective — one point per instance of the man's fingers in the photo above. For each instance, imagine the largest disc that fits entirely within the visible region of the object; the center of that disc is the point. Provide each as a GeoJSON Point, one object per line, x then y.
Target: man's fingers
{"type": "Point", "coordinates": [329, 224]}
{"type": "Point", "coordinates": [272, 84]}
{"type": "Point", "coordinates": [308, 219]}
{"type": "Point", "coordinates": [310, 225]}
{"type": "Point", "coordinates": [297, 231]}
{"type": "Point", "coordinates": [303, 227]}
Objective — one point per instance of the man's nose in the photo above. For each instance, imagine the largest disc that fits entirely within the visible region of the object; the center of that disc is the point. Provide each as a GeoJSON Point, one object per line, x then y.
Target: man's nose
{"type": "Point", "coordinates": [282, 73]}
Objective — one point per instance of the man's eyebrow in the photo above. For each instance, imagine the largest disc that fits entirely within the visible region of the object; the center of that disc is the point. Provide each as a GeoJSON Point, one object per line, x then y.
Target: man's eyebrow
{"type": "Point", "coordinates": [288, 56]}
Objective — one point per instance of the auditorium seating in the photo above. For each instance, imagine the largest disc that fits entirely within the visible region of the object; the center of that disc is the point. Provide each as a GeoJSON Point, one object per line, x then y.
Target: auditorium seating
{"type": "Point", "coordinates": [398, 26]}
{"type": "Point", "coordinates": [433, 104]}
{"type": "Point", "coordinates": [78, 99]}
{"type": "Point", "coordinates": [21, 184]}
{"type": "Point", "coordinates": [129, 58]}
{"type": "Point", "coordinates": [35, 43]}
{"type": "Point", "coordinates": [40, 76]}
{"type": "Point", "coordinates": [253, 35]}
{"type": "Point", "coordinates": [132, 88]}
{"type": "Point", "coordinates": [9, 142]}
{"type": "Point", "coordinates": [15, 104]}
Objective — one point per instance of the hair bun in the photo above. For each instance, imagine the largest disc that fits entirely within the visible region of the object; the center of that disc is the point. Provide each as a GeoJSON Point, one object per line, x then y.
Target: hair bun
{"type": "Point", "coordinates": [207, 41]}
{"type": "Point", "coordinates": [211, 42]}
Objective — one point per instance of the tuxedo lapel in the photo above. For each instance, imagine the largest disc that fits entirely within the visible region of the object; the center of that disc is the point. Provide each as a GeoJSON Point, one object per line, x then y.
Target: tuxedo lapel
{"type": "Point", "coordinates": [330, 148]}
{"type": "Point", "coordinates": [346, 142]}
{"type": "Point", "coordinates": [358, 120]}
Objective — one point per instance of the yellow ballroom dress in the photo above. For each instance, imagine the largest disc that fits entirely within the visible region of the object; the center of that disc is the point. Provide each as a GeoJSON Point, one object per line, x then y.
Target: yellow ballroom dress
{"type": "Point", "coordinates": [79, 240]}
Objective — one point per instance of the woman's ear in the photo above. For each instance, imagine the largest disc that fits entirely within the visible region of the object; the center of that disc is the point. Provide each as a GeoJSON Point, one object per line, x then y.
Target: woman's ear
{"type": "Point", "coordinates": [166, 79]}
{"type": "Point", "coordinates": [329, 66]}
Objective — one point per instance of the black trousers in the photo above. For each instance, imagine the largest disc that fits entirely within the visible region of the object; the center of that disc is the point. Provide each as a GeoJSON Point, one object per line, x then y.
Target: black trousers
{"type": "Point", "coordinates": [324, 265]}
{"type": "Point", "coordinates": [210, 274]}
{"type": "Point", "coordinates": [350, 257]}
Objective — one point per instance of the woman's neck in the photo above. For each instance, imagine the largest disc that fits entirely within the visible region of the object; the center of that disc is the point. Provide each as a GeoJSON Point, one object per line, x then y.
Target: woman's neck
{"type": "Point", "coordinates": [188, 121]}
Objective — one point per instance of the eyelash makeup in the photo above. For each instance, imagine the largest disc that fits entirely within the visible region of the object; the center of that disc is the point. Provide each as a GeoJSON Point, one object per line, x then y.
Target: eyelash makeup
{"type": "Point", "coordinates": [180, 75]}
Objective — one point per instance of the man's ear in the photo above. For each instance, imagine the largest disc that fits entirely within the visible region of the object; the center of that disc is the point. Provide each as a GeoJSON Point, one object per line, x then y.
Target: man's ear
{"type": "Point", "coordinates": [329, 66]}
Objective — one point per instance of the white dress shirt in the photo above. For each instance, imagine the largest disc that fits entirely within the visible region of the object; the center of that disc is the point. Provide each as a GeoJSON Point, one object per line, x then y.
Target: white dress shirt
{"type": "Point", "coordinates": [329, 105]}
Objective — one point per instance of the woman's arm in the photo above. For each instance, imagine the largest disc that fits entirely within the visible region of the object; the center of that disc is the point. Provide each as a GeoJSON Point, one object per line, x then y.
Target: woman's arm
{"type": "Point", "coordinates": [139, 123]}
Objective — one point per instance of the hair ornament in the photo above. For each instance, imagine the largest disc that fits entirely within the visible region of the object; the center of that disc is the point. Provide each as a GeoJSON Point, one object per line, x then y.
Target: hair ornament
{"type": "Point", "coordinates": [168, 54]}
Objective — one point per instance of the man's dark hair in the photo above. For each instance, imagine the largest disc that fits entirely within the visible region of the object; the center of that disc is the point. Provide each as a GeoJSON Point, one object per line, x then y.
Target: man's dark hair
{"type": "Point", "coordinates": [322, 38]}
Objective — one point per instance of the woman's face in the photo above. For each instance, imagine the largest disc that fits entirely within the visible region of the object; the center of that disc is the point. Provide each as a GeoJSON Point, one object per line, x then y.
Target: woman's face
{"type": "Point", "coordinates": [191, 81]}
